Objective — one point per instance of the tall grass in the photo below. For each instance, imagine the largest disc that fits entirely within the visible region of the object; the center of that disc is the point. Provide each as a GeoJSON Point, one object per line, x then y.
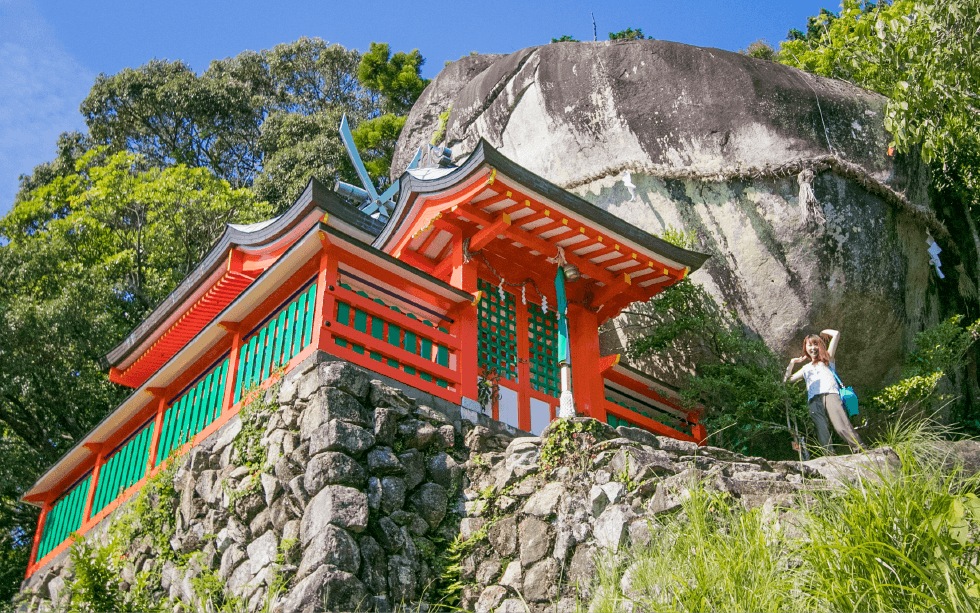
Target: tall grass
{"type": "Point", "coordinates": [713, 557]}
{"type": "Point", "coordinates": [902, 541]}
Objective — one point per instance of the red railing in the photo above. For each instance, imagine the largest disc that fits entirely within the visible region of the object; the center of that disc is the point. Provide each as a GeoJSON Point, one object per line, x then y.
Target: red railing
{"type": "Point", "coordinates": [381, 338]}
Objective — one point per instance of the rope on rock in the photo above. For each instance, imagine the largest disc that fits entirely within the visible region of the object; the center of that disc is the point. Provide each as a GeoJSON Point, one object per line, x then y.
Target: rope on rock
{"type": "Point", "coordinates": [809, 207]}
{"type": "Point", "coordinates": [842, 168]}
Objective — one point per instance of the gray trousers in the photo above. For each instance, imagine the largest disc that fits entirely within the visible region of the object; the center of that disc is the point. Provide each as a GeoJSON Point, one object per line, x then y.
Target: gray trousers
{"type": "Point", "coordinates": [824, 406]}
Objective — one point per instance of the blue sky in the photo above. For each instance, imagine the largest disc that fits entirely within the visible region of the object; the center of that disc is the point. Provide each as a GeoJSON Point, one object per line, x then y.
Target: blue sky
{"type": "Point", "coordinates": [52, 50]}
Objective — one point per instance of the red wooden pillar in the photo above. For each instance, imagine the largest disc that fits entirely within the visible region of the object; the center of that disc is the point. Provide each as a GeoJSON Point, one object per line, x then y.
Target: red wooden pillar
{"type": "Point", "coordinates": [587, 386]}
{"type": "Point", "coordinates": [233, 328]}
{"type": "Point", "coordinates": [45, 509]}
{"type": "Point", "coordinates": [523, 368]}
{"type": "Point", "coordinates": [326, 280]}
{"type": "Point", "coordinates": [699, 433]}
{"type": "Point", "coordinates": [99, 450]}
{"type": "Point", "coordinates": [160, 394]}
{"type": "Point", "coordinates": [464, 277]}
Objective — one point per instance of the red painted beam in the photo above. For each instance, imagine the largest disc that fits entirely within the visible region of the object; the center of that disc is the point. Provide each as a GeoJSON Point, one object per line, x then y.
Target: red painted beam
{"type": "Point", "coordinates": [490, 232]}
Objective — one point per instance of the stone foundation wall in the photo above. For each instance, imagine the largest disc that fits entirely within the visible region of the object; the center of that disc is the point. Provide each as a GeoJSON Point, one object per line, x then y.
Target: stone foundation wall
{"type": "Point", "coordinates": [339, 492]}
{"type": "Point", "coordinates": [337, 486]}
{"type": "Point", "coordinates": [536, 522]}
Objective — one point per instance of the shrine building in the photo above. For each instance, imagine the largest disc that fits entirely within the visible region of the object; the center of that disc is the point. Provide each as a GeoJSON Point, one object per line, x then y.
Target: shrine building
{"type": "Point", "coordinates": [477, 287]}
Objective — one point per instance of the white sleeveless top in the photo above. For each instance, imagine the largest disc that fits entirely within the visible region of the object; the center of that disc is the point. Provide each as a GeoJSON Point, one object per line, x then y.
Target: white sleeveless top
{"type": "Point", "coordinates": [819, 379]}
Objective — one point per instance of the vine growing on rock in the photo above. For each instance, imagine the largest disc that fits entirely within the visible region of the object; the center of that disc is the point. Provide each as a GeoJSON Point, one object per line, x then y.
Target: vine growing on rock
{"type": "Point", "coordinates": [568, 442]}
{"type": "Point", "coordinates": [147, 518]}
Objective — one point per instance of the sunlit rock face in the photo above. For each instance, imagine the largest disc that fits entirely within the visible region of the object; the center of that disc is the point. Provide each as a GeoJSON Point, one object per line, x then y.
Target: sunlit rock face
{"type": "Point", "coordinates": [668, 135]}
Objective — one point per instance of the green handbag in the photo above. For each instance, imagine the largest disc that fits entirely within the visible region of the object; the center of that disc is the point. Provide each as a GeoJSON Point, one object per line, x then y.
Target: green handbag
{"type": "Point", "coordinates": [847, 397]}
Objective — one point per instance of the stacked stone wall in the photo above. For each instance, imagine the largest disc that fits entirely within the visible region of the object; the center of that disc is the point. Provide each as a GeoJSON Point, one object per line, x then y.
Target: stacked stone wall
{"type": "Point", "coordinates": [339, 492]}
{"type": "Point", "coordinates": [336, 491]}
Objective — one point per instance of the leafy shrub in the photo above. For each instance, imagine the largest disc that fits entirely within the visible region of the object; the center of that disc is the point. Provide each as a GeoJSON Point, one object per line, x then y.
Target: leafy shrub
{"type": "Point", "coordinates": [939, 350]}
{"type": "Point", "coordinates": [736, 375]}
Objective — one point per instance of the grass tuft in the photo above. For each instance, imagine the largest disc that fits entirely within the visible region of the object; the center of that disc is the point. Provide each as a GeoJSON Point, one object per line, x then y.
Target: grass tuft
{"type": "Point", "coordinates": [900, 540]}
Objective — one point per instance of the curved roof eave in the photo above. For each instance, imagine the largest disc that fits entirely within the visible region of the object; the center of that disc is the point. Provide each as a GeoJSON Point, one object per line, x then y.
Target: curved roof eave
{"type": "Point", "coordinates": [252, 235]}
{"type": "Point", "coordinates": [412, 187]}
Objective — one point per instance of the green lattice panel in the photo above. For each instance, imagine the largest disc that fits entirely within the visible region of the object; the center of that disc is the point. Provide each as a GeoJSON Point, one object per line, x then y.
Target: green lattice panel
{"type": "Point", "coordinates": [64, 517]}
{"type": "Point", "coordinates": [393, 334]}
{"type": "Point", "coordinates": [498, 332]}
{"type": "Point", "coordinates": [542, 334]}
{"type": "Point", "coordinates": [123, 468]}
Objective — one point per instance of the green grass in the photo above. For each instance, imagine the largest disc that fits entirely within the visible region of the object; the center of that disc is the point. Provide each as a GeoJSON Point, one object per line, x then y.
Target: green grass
{"type": "Point", "coordinates": [904, 541]}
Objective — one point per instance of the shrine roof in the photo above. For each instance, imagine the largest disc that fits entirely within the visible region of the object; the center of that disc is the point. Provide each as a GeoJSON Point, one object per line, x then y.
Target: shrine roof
{"type": "Point", "coordinates": [424, 181]}
{"type": "Point", "coordinates": [212, 285]}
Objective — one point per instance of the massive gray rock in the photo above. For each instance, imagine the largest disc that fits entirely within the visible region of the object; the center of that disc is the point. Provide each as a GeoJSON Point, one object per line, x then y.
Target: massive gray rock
{"type": "Point", "coordinates": [664, 135]}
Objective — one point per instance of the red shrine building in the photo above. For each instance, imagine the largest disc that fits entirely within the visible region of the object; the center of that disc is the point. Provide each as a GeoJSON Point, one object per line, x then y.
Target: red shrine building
{"type": "Point", "coordinates": [454, 291]}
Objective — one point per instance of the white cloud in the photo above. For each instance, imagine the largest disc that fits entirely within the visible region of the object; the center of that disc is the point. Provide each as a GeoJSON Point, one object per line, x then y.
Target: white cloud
{"type": "Point", "coordinates": [41, 87]}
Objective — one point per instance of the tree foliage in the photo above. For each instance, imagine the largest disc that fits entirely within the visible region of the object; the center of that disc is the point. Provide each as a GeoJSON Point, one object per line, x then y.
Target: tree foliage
{"type": "Point", "coordinates": [627, 34]}
{"type": "Point", "coordinates": [924, 56]}
{"type": "Point", "coordinates": [760, 50]}
{"type": "Point", "coordinates": [266, 119]}
{"type": "Point", "coordinates": [166, 113]}
{"type": "Point", "coordinates": [395, 77]}
{"type": "Point", "coordinates": [375, 139]}
{"type": "Point", "coordinates": [84, 258]}
{"type": "Point", "coordinates": [565, 38]}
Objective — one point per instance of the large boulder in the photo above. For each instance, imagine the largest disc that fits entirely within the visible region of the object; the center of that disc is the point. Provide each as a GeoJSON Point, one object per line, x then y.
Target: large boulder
{"type": "Point", "coordinates": [663, 134]}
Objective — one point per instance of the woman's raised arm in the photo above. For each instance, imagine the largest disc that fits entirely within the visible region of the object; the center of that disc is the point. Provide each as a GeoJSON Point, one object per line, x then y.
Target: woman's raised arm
{"type": "Point", "coordinates": [789, 370]}
{"type": "Point", "coordinates": [834, 339]}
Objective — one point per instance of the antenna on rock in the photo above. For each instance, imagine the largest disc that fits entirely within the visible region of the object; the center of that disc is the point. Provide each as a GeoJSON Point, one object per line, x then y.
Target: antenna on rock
{"type": "Point", "coordinates": [595, 36]}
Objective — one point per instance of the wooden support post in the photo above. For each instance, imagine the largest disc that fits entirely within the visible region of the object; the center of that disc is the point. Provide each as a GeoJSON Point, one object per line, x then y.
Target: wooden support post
{"type": "Point", "coordinates": [523, 368]}
{"type": "Point", "coordinates": [583, 331]}
{"type": "Point", "coordinates": [45, 509]}
{"type": "Point", "coordinates": [99, 450]}
{"type": "Point", "coordinates": [160, 394]}
{"type": "Point", "coordinates": [326, 281]}
{"type": "Point", "coordinates": [699, 433]}
{"type": "Point", "coordinates": [467, 322]}
{"type": "Point", "coordinates": [234, 328]}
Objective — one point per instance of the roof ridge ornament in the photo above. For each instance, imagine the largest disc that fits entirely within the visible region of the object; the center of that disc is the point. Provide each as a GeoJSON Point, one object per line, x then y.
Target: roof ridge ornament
{"type": "Point", "coordinates": [379, 206]}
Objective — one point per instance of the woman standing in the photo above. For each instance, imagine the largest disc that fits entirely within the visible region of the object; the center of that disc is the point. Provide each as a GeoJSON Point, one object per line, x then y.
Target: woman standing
{"type": "Point", "coordinates": [823, 391]}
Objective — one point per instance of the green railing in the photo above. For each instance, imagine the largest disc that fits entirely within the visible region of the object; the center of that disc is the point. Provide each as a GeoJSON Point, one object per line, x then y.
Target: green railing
{"type": "Point", "coordinates": [276, 341]}
{"type": "Point", "coordinates": [389, 332]}
{"type": "Point", "coordinates": [193, 410]}
{"type": "Point", "coordinates": [64, 517]}
{"type": "Point", "coordinates": [123, 468]}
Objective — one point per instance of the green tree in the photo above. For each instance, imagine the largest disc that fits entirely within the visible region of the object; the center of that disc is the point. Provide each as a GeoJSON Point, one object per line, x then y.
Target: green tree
{"type": "Point", "coordinates": [565, 38]}
{"type": "Point", "coordinates": [298, 147]}
{"type": "Point", "coordinates": [924, 56]}
{"type": "Point", "coordinates": [816, 27]}
{"type": "Point", "coordinates": [398, 77]}
{"type": "Point", "coordinates": [375, 140]}
{"type": "Point", "coordinates": [84, 258]}
{"type": "Point", "coordinates": [760, 49]}
{"type": "Point", "coordinates": [627, 34]}
{"type": "Point", "coordinates": [166, 113]}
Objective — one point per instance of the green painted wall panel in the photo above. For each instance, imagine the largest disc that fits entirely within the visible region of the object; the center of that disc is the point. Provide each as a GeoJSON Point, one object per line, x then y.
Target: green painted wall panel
{"type": "Point", "coordinates": [240, 374]}
{"type": "Point", "coordinates": [280, 333]}
{"type": "Point", "coordinates": [297, 344]}
{"type": "Point", "coordinates": [310, 312]}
